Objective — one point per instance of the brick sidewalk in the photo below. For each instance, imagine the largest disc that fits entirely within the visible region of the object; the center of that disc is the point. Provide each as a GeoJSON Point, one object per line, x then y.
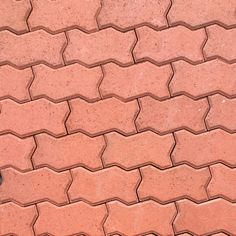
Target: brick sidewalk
{"type": "Point", "coordinates": [118, 117]}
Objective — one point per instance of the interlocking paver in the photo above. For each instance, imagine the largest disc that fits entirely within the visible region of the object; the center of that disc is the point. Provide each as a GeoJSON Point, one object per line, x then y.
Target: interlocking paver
{"type": "Point", "coordinates": [206, 218]}
{"type": "Point", "coordinates": [221, 43]}
{"type": "Point", "coordinates": [221, 113]}
{"type": "Point", "coordinates": [135, 81]}
{"type": "Point", "coordinates": [97, 187]}
{"type": "Point", "coordinates": [78, 218]}
{"type": "Point", "coordinates": [199, 12]}
{"type": "Point", "coordinates": [173, 184]}
{"type": "Point", "coordinates": [34, 186]}
{"type": "Point", "coordinates": [100, 47]}
{"type": "Point", "coordinates": [33, 117]}
{"type": "Point", "coordinates": [138, 150]}
{"type": "Point", "coordinates": [16, 152]}
{"type": "Point", "coordinates": [69, 151]}
{"type": "Point", "coordinates": [205, 149]}
{"type": "Point", "coordinates": [14, 14]}
{"type": "Point", "coordinates": [56, 16]}
{"type": "Point", "coordinates": [129, 14]}
{"type": "Point", "coordinates": [103, 116]}
{"type": "Point", "coordinates": [169, 45]}
{"type": "Point", "coordinates": [140, 219]}
{"type": "Point", "coordinates": [17, 220]}
{"type": "Point", "coordinates": [223, 182]}
{"type": "Point", "coordinates": [171, 115]}
{"type": "Point", "coordinates": [31, 48]}
{"type": "Point", "coordinates": [203, 79]}
{"type": "Point", "coordinates": [66, 82]}
{"type": "Point", "coordinates": [14, 83]}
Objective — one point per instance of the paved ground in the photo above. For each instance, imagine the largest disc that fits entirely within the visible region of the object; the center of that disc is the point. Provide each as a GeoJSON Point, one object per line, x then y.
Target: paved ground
{"type": "Point", "coordinates": [118, 117]}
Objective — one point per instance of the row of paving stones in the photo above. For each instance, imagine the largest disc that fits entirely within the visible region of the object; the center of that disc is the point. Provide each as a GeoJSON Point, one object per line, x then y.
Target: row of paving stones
{"type": "Point", "coordinates": [80, 150]}
{"type": "Point", "coordinates": [112, 80]}
{"type": "Point", "coordinates": [144, 43]}
{"type": "Point", "coordinates": [90, 15]}
{"type": "Point", "coordinates": [128, 118]}
{"type": "Point", "coordinates": [115, 218]}
{"type": "Point", "coordinates": [148, 182]}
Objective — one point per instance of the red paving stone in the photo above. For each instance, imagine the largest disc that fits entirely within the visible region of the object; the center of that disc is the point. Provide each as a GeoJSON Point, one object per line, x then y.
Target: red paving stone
{"type": "Point", "coordinates": [117, 118]}
{"type": "Point", "coordinates": [169, 45]}
{"type": "Point", "coordinates": [173, 114]}
{"type": "Point", "coordinates": [138, 150]}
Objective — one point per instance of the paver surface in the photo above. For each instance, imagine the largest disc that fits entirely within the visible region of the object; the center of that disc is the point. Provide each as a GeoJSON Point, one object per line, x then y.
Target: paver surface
{"type": "Point", "coordinates": [117, 118]}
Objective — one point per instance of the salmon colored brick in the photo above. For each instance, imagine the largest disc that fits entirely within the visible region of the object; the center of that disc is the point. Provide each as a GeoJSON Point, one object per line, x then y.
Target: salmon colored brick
{"type": "Point", "coordinates": [34, 186]}
{"type": "Point", "coordinates": [223, 182]}
{"type": "Point", "coordinates": [125, 15]}
{"type": "Point", "coordinates": [14, 83]}
{"type": "Point", "coordinates": [171, 115]}
{"type": "Point", "coordinates": [204, 149]}
{"type": "Point", "coordinates": [31, 48]}
{"type": "Point", "coordinates": [103, 116]}
{"type": "Point", "coordinates": [138, 150]}
{"type": "Point", "coordinates": [221, 43]}
{"type": "Point", "coordinates": [69, 151]}
{"type": "Point", "coordinates": [66, 82]}
{"type": "Point", "coordinates": [206, 218]}
{"type": "Point", "coordinates": [173, 184]}
{"type": "Point", "coordinates": [219, 234]}
{"type": "Point", "coordinates": [199, 12]}
{"type": "Point", "coordinates": [16, 152]}
{"type": "Point", "coordinates": [100, 47]}
{"type": "Point", "coordinates": [78, 218]}
{"type": "Point", "coordinates": [140, 219]}
{"type": "Point", "coordinates": [14, 15]}
{"type": "Point", "coordinates": [203, 79]}
{"type": "Point", "coordinates": [138, 80]}
{"type": "Point", "coordinates": [17, 220]}
{"type": "Point", "coordinates": [169, 45]}
{"type": "Point", "coordinates": [56, 16]}
{"type": "Point", "coordinates": [33, 117]}
{"type": "Point", "coordinates": [104, 185]}
{"type": "Point", "coordinates": [221, 113]}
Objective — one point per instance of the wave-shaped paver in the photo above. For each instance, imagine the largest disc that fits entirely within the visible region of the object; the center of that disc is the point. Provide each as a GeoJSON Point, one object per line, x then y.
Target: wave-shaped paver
{"type": "Point", "coordinates": [14, 15]}
{"type": "Point", "coordinates": [33, 117]}
{"type": "Point", "coordinates": [171, 115]}
{"type": "Point", "coordinates": [31, 48]}
{"type": "Point", "coordinates": [169, 45]}
{"type": "Point", "coordinates": [135, 81]}
{"type": "Point", "coordinates": [60, 15]}
{"type": "Point", "coordinates": [223, 182]}
{"type": "Point", "coordinates": [100, 47]}
{"type": "Point", "coordinates": [149, 216]}
{"type": "Point", "coordinates": [16, 152]}
{"type": "Point", "coordinates": [198, 13]}
{"type": "Point", "coordinates": [173, 184]}
{"type": "Point", "coordinates": [97, 187]}
{"type": "Point", "coordinates": [66, 82]}
{"type": "Point", "coordinates": [221, 43]}
{"type": "Point", "coordinates": [100, 117]}
{"type": "Point", "coordinates": [221, 113]}
{"type": "Point", "coordinates": [17, 220]}
{"type": "Point", "coordinates": [68, 152]}
{"type": "Point", "coordinates": [138, 150]}
{"type": "Point", "coordinates": [206, 218]}
{"type": "Point", "coordinates": [15, 83]}
{"type": "Point", "coordinates": [34, 186]}
{"type": "Point", "coordinates": [130, 14]}
{"type": "Point", "coordinates": [205, 149]}
{"type": "Point", "coordinates": [78, 218]}
{"type": "Point", "coordinates": [204, 79]}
